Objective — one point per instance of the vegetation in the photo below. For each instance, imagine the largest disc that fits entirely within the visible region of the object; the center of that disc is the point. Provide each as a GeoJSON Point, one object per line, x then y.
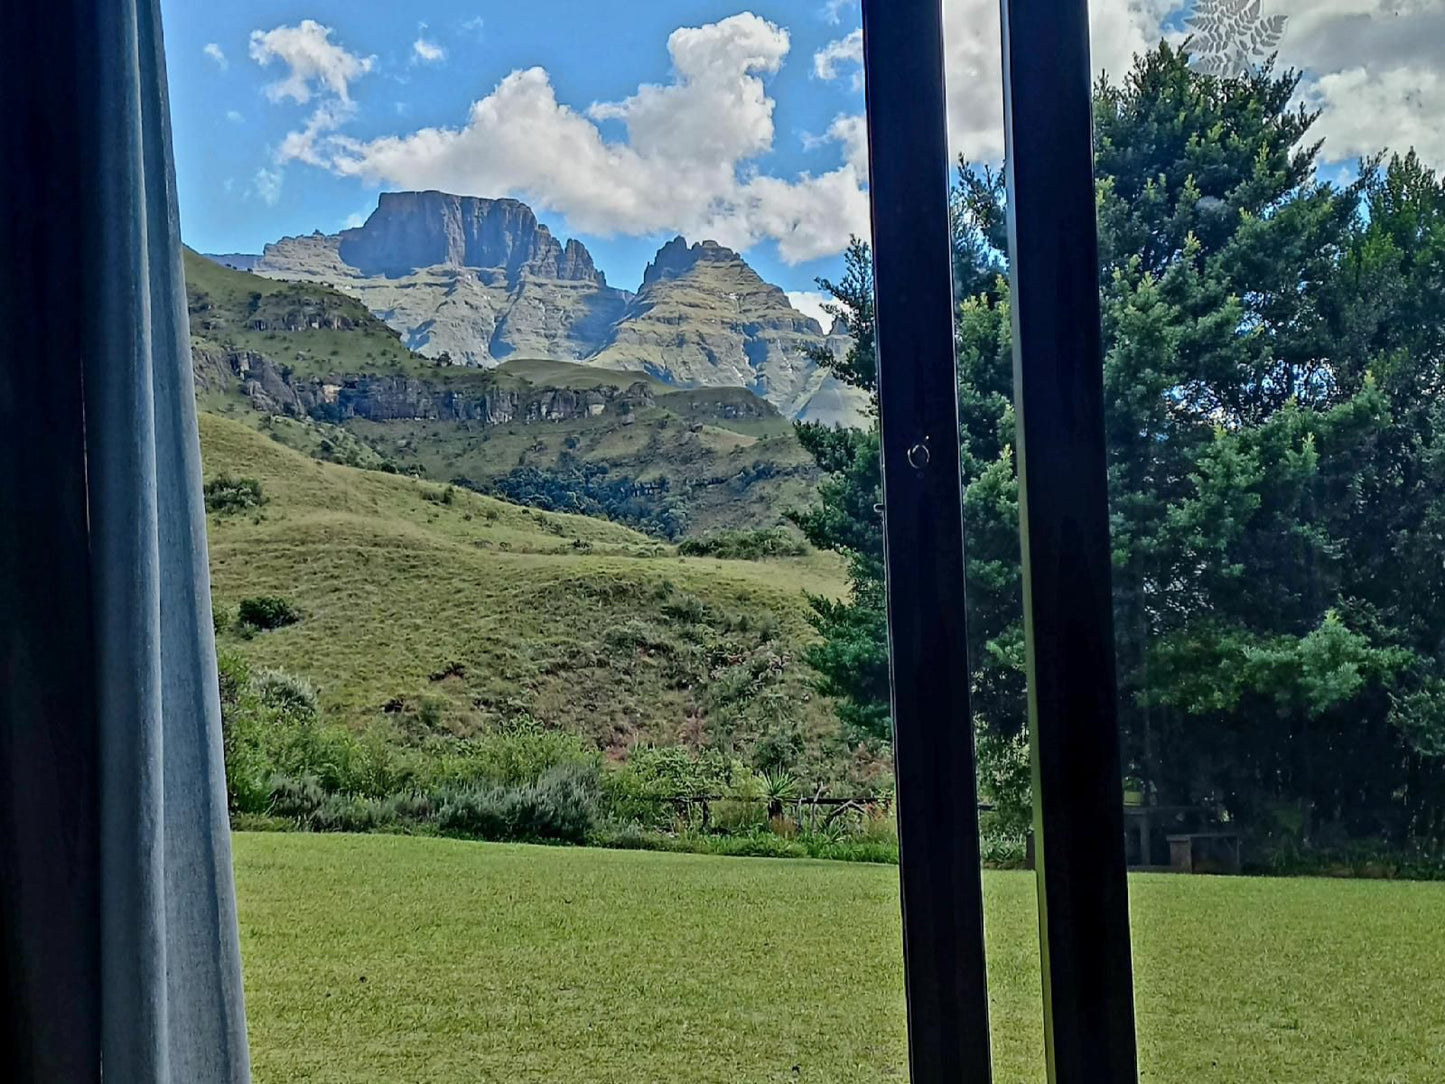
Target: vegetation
{"type": "Point", "coordinates": [666, 460]}
{"type": "Point", "coordinates": [744, 545]}
{"type": "Point", "coordinates": [266, 612]}
{"type": "Point", "coordinates": [391, 959]}
{"type": "Point", "coordinates": [435, 628]}
{"type": "Point", "coordinates": [228, 494]}
{"type": "Point", "coordinates": [1273, 390]}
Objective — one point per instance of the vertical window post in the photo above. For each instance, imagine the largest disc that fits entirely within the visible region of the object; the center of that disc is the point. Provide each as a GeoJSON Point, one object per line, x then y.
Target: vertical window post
{"type": "Point", "coordinates": [923, 544]}
{"type": "Point", "coordinates": [1063, 513]}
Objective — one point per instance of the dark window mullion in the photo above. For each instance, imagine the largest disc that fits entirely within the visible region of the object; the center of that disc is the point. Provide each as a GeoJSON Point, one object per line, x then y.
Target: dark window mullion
{"type": "Point", "coordinates": [918, 406]}
{"type": "Point", "coordinates": [1063, 512]}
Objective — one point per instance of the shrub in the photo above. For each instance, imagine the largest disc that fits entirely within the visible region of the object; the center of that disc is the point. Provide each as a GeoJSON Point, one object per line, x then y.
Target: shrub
{"type": "Point", "coordinates": [744, 545]}
{"type": "Point", "coordinates": [225, 493]}
{"type": "Point", "coordinates": [292, 696]}
{"type": "Point", "coordinates": [266, 612]}
{"type": "Point", "coordinates": [561, 806]}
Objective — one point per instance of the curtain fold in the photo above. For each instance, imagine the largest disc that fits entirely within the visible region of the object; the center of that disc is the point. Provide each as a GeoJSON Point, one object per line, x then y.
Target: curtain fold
{"type": "Point", "coordinates": [118, 937]}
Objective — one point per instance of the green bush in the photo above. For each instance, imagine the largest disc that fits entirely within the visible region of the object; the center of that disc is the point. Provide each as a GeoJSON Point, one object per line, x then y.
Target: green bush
{"type": "Point", "coordinates": [561, 806]}
{"type": "Point", "coordinates": [266, 612]}
{"type": "Point", "coordinates": [744, 545]}
{"type": "Point", "coordinates": [225, 493]}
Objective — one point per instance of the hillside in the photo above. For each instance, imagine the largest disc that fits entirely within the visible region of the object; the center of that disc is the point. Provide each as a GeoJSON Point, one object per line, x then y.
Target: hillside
{"type": "Point", "coordinates": [327, 377]}
{"type": "Point", "coordinates": [426, 610]}
{"type": "Point", "coordinates": [481, 281]}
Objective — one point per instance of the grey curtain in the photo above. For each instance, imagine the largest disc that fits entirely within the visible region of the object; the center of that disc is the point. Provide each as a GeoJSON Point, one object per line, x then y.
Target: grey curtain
{"type": "Point", "coordinates": [119, 956]}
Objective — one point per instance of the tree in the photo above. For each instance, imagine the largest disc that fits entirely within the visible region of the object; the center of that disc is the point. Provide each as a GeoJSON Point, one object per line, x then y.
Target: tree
{"type": "Point", "coordinates": [1273, 370]}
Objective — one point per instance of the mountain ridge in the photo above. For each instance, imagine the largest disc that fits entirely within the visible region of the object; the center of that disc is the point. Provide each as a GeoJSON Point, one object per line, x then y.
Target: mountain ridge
{"type": "Point", "coordinates": [475, 281]}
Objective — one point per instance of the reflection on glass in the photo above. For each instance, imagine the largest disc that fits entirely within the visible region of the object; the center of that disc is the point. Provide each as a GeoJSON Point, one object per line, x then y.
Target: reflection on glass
{"type": "Point", "coordinates": [1272, 318]}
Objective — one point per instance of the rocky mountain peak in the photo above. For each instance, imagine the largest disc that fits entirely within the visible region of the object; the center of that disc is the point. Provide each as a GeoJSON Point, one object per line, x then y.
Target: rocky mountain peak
{"type": "Point", "coordinates": [676, 258]}
{"type": "Point", "coordinates": [413, 230]}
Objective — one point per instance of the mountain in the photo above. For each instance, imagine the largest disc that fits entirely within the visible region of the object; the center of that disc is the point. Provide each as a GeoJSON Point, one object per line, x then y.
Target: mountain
{"type": "Point", "coordinates": [703, 317]}
{"type": "Point", "coordinates": [317, 371]}
{"type": "Point", "coordinates": [477, 281]}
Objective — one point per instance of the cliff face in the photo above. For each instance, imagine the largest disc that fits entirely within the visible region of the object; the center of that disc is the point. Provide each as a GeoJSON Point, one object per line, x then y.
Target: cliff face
{"type": "Point", "coordinates": [479, 280]}
{"type": "Point", "coordinates": [409, 231]}
{"type": "Point", "coordinates": [275, 389]}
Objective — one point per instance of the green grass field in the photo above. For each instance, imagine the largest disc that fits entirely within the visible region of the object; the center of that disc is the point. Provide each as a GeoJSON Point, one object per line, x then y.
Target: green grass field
{"type": "Point", "coordinates": [393, 960]}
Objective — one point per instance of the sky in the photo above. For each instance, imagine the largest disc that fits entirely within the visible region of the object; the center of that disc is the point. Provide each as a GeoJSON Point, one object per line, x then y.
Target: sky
{"type": "Point", "coordinates": [625, 122]}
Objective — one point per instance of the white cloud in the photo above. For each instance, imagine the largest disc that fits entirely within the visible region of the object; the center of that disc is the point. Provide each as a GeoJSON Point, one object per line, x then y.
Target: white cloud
{"type": "Point", "coordinates": [235, 116]}
{"type": "Point", "coordinates": [845, 51]}
{"type": "Point", "coordinates": [267, 185]}
{"type": "Point", "coordinates": [427, 52]}
{"type": "Point", "coordinates": [316, 67]}
{"type": "Point", "coordinates": [974, 68]}
{"type": "Point", "coordinates": [833, 9]}
{"type": "Point", "coordinates": [216, 53]}
{"type": "Point", "coordinates": [810, 303]}
{"type": "Point", "coordinates": [686, 163]}
{"type": "Point", "coordinates": [474, 25]}
{"type": "Point", "coordinates": [313, 61]}
{"type": "Point", "coordinates": [305, 145]}
{"type": "Point", "coordinates": [1375, 70]}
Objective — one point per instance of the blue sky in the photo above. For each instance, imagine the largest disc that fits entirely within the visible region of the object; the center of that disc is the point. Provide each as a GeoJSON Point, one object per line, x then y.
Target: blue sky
{"type": "Point", "coordinates": [624, 122]}
{"type": "Point", "coordinates": [228, 129]}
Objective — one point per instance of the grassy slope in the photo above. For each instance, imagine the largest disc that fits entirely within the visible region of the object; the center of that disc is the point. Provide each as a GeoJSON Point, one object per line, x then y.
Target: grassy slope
{"type": "Point", "coordinates": [395, 960]}
{"type": "Point", "coordinates": [395, 588]}
{"type": "Point", "coordinates": [223, 301]}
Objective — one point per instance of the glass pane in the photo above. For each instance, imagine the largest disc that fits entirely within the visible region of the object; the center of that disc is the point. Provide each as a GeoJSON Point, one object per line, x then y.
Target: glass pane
{"type": "Point", "coordinates": [517, 539]}
{"type": "Point", "coordinates": [984, 360]}
{"type": "Point", "coordinates": [1272, 322]}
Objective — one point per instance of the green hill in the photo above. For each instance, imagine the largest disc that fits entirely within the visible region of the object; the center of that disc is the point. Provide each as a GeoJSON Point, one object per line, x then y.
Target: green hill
{"type": "Point", "coordinates": [431, 609]}
{"type": "Point", "coordinates": [326, 377]}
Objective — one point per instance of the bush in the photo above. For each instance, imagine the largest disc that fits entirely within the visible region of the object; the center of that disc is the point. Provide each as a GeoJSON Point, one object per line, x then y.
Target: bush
{"type": "Point", "coordinates": [266, 612]}
{"type": "Point", "coordinates": [561, 806]}
{"type": "Point", "coordinates": [227, 494]}
{"type": "Point", "coordinates": [744, 545]}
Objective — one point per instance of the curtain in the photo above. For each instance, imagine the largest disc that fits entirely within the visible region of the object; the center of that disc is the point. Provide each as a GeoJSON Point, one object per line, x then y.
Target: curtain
{"type": "Point", "coordinates": [119, 955]}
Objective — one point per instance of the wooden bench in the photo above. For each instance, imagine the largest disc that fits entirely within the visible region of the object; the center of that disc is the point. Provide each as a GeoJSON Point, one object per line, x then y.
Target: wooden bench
{"type": "Point", "coordinates": [1204, 852]}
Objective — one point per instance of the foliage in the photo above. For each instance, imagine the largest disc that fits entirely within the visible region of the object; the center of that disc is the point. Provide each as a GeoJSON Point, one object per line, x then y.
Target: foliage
{"type": "Point", "coordinates": [1273, 373]}
{"type": "Point", "coordinates": [754, 545]}
{"type": "Point", "coordinates": [226, 493]}
{"type": "Point", "coordinates": [266, 612]}
{"type": "Point", "coordinates": [592, 489]}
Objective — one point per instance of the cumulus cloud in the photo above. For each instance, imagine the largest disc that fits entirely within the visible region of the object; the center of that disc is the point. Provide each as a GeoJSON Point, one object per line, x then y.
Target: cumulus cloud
{"type": "Point", "coordinates": [974, 66]}
{"type": "Point", "coordinates": [686, 162]}
{"type": "Point", "coordinates": [845, 52]}
{"type": "Point", "coordinates": [315, 67]}
{"type": "Point", "coordinates": [1375, 69]}
{"type": "Point", "coordinates": [216, 53]}
{"type": "Point", "coordinates": [313, 62]}
{"type": "Point", "coordinates": [810, 303]}
{"type": "Point", "coordinates": [427, 52]}
{"type": "Point", "coordinates": [1376, 72]}
{"type": "Point", "coordinates": [235, 116]}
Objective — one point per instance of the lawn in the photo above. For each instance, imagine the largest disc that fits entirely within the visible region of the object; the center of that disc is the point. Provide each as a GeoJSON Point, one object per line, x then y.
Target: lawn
{"type": "Point", "coordinates": [387, 960]}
